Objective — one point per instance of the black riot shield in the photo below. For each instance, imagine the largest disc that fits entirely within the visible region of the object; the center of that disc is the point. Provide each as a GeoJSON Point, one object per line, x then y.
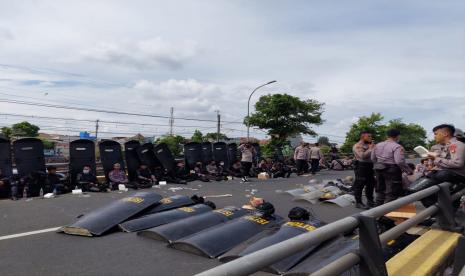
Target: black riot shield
{"type": "Point", "coordinates": [154, 220]}
{"type": "Point", "coordinates": [164, 155]}
{"type": "Point", "coordinates": [29, 155]}
{"type": "Point", "coordinates": [326, 254]}
{"type": "Point", "coordinates": [81, 153]}
{"type": "Point", "coordinates": [171, 202]}
{"type": "Point", "coordinates": [182, 228]}
{"type": "Point", "coordinates": [207, 152]}
{"type": "Point", "coordinates": [30, 163]}
{"type": "Point", "coordinates": [217, 240]}
{"type": "Point", "coordinates": [278, 154]}
{"type": "Point", "coordinates": [220, 153]}
{"type": "Point", "coordinates": [147, 156]}
{"type": "Point", "coordinates": [192, 154]}
{"type": "Point", "coordinates": [107, 217]}
{"type": "Point", "coordinates": [232, 153]}
{"type": "Point", "coordinates": [132, 159]}
{"type": "Point", "coordinates": [258, 153]}
{"type": "Point", "coordinates": [288, 230]}
{"type": "Point", "coordinates": [5, 157]}
{"type": "Point", "coordinates": [110, 153]}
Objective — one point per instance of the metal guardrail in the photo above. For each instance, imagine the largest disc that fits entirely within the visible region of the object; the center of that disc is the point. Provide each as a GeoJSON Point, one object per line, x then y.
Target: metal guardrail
{"type": "Point", "coordinates": [370, 253]}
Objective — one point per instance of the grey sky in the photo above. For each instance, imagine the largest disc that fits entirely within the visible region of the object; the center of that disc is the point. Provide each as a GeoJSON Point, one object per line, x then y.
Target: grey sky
{"type": "Point", "coordinates": [405, 59]}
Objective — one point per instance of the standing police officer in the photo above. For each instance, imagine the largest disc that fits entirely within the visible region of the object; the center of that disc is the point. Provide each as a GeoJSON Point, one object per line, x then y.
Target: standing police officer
{"type": "Point", "coordinates": [389, 163]}
{"type": "Point", "coordinates": [364, 175]}
{"type": "Point", "coordinates": [301, 155]}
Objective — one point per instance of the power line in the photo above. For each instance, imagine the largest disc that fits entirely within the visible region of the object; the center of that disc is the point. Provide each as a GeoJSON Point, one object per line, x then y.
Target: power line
{"type": "Point", "coordinates": [101, 111]}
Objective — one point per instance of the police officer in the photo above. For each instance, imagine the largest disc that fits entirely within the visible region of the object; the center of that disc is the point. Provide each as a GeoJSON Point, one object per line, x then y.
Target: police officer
{"type": "Point", "coordinates": [301, 155]}
{"type": "Point", "coordinates": [315, 156]}
{"type": "Point", "coordinates": [389, 163]}
{"type": "Point", "coordinates": [364, 175]}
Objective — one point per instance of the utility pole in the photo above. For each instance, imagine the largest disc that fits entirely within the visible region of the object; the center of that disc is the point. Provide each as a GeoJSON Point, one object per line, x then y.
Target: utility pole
{"type": "Point", "coordinates": [96, 129]}
{"type": "Point", "coordinates": [171, 121]}
{"type": "Point", "coordinates": [218, 125]}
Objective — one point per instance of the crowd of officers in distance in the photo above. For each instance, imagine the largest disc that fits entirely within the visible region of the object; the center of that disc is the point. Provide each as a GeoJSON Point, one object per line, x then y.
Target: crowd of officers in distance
{"type": "Point", "coordinates": [381, 169]}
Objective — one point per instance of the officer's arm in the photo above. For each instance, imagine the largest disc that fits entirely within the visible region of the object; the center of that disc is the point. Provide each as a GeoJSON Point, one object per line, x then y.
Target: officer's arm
{"type": "Point", "coordinates": [399, 158]}
{"type": "Point", "coordinates": [456, 161]}
{"type": "Point", "coordinates": [373, 156]}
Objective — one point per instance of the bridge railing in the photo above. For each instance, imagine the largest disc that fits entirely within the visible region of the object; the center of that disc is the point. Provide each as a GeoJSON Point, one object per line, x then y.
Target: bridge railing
{"type": "Point", "coordinates": [370, 254]}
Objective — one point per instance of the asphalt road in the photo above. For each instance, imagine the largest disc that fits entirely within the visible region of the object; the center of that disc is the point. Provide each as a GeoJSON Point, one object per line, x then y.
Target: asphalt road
{"type": "Point", "coordinates": [125, 253]}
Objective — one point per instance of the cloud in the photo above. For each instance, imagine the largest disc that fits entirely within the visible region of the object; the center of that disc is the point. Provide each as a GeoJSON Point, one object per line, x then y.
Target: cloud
{"type": "Point", "coordinates": [144, 54]}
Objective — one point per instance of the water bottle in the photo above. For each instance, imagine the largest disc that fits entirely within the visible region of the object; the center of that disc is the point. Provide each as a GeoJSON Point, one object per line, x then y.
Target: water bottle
{"type": "Point", "coordinates": [25, 193]}
{"type": "Point", "coordinates": [41, 192]}
{"type": "Point", "coordinates": [55, 191]}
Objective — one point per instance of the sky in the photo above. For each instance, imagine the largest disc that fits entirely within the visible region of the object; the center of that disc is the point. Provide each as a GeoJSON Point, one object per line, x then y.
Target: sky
{"type": "Point", "coordinates": [404, 59]}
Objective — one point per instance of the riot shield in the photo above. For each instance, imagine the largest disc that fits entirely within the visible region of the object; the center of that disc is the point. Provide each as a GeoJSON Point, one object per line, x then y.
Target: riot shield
{"type": "Point", "coordinates": [5, 157]}
{"type": "Point", "coordinates": [288, 230]}
{"type": "Point", "coordinates": [147, 156]}
{"type": "Point", "coordinates": [29, 155]}
{"type": "Point", "coordinates": [258, 153]}
{"type": "Point", "coordinates": [217, 240]}
{"type": "Point", "coordinates": [220, 153]}
{"type": "Point", "coordinates": [278, 154]}
{"type": "Point", "coordinates": [182, 228]}
{"type": "Point", "coordinates": [81, 153]}
{"type": "Point", "coordinates": [172, 202]}
{"type": "Point", "coordinates": [107, 217]}
{"type": "Point", "coordinates": [207, 153]}
{"type": "Point", "coordinates": [192, 154]}
{"type": "Point", "coordinates": [157, 219]}
{"type": "Point", "coordinates": [326, 254]}
{"type": "Point", "coordinates": [164, 155]}
{"type": "Point", "coordinates": [110, 153]}
{"type": "Point", "coordinates": [232, 153]}
{"type": "Point", "coordinates": [132, 159]}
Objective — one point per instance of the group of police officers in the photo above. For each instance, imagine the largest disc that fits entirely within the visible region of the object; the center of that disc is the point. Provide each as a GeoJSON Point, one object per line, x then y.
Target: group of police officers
{"type": "Point", "coordinates": [379, 167]}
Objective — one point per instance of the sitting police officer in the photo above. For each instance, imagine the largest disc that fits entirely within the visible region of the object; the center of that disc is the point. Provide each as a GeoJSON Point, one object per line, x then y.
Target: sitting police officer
{"type": "Point", "coordinates": [4, 185]}
{"type": "Point", "coordinates": [88, 182]}
{"type": "Point", "coordinates": [145, 178]}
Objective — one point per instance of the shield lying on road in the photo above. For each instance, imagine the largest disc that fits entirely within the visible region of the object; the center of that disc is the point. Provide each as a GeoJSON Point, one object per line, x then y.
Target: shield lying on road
{"type": "Point", "coordinates": [300, 191]}
{"type": "Point", "coordinates": [172, 202]}
{"type": "Point", "coordinates": [105, 218]}
{"type": "Point", "coordinates": [217, 240]}
{"type": "Point", "coordinates": [326, 254]}
{"type": "Point", "coordinates": [342, 201]}
{"type": "Point", "coordinates": [158, 219]}
{"type": "Point", "coordinates": [288, 230]}
{"type": "Point", "coordinates": [182, 228]}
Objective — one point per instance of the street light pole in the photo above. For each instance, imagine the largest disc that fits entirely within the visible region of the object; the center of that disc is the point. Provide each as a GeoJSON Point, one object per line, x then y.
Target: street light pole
{"type": "Point", "coordinates": [248, 107]}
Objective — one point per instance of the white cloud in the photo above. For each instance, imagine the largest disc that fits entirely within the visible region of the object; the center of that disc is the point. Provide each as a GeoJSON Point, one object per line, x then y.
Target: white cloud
{"type": "Point", "coordinates": [144, 54]}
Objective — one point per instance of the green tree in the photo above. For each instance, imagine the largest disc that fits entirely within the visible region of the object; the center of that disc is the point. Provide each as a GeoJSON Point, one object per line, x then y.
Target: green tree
{"type": "Point", "coordinates": [25, 129]}
{"type": "Point", "coordinates": [197, 136]}
{"type": "Point", "coordinates": [372, 123]}
{"type": "Point", "coordinates": [174, 143]}
{"type": "Point", "coordinates": [6, 131]}
{"type": "Point", "coordinates": [211, 136]}
{"type": "Point", "coordinates": [411, 135]}
{"type": "Point", "coordinates": [284, 116]}
{"type": "Point", "coordinates": [48, 144]}
{"type": "Point", "coordinates": [324, 141]}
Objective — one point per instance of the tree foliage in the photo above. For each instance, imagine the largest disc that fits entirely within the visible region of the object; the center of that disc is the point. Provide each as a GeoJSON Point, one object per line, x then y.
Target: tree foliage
{"type": "Point", "coordinates": [323, 140]}
{"type": "Point", "coordinates": [284, 116]}
{"type": "Point", "coordinates": [412, 135]}
{"type": "Point", "coordinates": [174, 143]}
{"type": "Point", "coordinates": [212, 136]}
{"type": "Point", "coordinates": [23, 129]}
{"type": "Point", "coordinates": [197, 136]}
{"type": "Point", "coordinates": [48, 144]}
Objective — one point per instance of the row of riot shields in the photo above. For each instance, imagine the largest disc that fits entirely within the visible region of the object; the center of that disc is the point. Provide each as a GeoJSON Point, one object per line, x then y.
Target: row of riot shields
{"type": "Point", "coordinates": [220, 152]}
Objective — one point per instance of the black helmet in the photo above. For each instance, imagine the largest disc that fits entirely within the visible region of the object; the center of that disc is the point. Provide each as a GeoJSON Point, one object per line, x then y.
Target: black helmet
{"type": "Point", "coordinates": [298, 214]}
{"type": "Point", "coordinates": [265, 209]}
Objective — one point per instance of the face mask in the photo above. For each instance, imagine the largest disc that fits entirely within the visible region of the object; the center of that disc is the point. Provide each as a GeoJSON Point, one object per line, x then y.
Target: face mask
{"type": "Point", "coordinates": [86, 171]}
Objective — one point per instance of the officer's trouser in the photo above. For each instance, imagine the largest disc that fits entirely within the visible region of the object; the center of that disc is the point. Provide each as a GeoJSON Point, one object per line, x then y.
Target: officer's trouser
{"type": "Point", "coordinates": [315, 165]}
{"type": "Point", "coordinates": [246, 166]}
{"type": "Point", "coordinates": [439, 177]}
{"type": "Point", "coordinates": [301, 165]}
{"type": "Point", "coordinates": [388, 184]}
{"type": "Point", "coordinates": [364, 178]}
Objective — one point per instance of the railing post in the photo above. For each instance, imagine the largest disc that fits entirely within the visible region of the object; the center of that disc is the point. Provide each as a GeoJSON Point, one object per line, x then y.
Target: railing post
{"type": "Point", "coordinates": [459, 259]}
{"type": "Point", "coordinates": [445, 215]}
{"type": "Point", "coordinates": [371, 252]}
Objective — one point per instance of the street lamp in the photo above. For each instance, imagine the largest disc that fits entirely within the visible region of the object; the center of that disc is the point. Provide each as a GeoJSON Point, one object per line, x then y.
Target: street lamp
{"type": "Point", "coordinates": [248, 107]}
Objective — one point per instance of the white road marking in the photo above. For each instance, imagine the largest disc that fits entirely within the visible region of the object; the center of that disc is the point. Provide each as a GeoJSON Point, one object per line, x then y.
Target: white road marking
{"type": "Point", "coordinates": [7, 237]}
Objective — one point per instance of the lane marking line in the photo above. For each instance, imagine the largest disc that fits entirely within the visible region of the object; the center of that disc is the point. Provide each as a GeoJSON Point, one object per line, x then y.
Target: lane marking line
{"type": "Point", "coordinates": [7, 237]}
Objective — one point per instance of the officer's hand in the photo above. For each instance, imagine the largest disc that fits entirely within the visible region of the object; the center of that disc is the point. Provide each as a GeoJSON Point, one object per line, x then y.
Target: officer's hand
{"type": "Point", "coordinates": [431, 155]}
